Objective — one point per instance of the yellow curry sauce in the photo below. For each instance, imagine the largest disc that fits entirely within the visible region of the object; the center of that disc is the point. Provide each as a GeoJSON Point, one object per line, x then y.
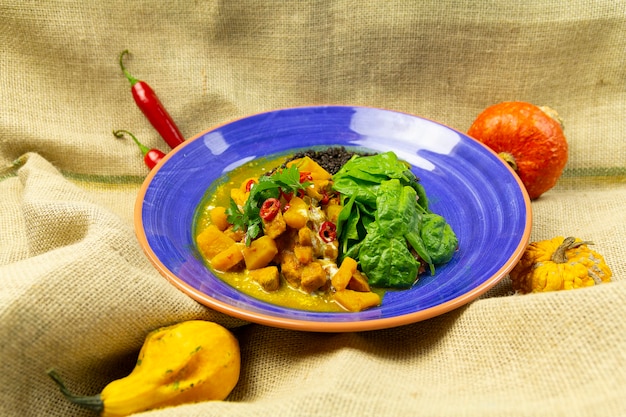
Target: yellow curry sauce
{"type": "Point", "coordinates": [286, 295]}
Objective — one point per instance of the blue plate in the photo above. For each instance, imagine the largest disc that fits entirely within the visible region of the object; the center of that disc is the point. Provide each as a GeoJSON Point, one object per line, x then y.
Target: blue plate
{"type": "Point", "coordinates": [480, 196]}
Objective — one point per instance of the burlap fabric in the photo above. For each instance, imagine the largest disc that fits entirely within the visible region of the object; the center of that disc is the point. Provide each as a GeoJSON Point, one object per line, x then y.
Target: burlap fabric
{"type": "Point", "coordinates": [77, 293]}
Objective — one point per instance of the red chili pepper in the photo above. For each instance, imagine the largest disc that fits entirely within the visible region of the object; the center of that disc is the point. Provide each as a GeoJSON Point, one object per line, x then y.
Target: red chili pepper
{"type": "Point", "coordinates": [305, 176]}
{"type": "Point", "coordinates": [286, 196]}
{"type": "Point", "coordinates": [151, 157]}
{"type": "Point", "coordinates": [269, 209]}
{"type": "Point", "coordinates": [328, 232]}
{"type": "Point", "coordinates": [325, 198]}
{"type": "Point", "coordinates": [152, 108]}
{"type": "Point", "coordinates": [249, 185]}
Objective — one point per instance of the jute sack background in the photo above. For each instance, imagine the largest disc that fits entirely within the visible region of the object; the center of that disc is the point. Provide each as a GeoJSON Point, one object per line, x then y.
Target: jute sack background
{"type": "Point", "coordinates": [77, 293]}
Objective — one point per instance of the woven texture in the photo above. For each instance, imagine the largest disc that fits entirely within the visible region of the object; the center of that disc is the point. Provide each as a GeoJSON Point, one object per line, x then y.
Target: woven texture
{"type": "Point", "coordinates": [78, 294]}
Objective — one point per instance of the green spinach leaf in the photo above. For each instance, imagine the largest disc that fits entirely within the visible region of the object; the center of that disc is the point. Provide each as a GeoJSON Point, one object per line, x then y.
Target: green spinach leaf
{"type": "Point", "coordinates": [395, 207]}
{"type": "Point", "coordinates": [386, 261]}
{"type": "Point", "coordinates": [386, 214]}
{"type": "Point", "coordinates": [439, 239]}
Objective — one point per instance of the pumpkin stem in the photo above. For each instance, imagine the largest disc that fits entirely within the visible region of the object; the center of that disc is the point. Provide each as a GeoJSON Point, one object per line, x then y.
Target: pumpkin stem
{"type": "Point", "coordinates": [93, 403]}
{"type": "Point", "coordinates": [559, 257]}
{"type": "Point", "coordinates": [509, 159]}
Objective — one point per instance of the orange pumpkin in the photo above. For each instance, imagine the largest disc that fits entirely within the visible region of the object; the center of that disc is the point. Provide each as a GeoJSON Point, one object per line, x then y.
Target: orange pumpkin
{"type": "Point", "coordinates": [529, 138]}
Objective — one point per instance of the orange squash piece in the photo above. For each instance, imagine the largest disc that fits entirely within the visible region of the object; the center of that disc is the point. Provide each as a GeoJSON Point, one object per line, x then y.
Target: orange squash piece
{"type": "Point", "coordinates": [313, 277]}
{"type": "Point", "coordinates": [260, 252]}
{"type": "Point", "coordinates": [332, 212]}
{"type": "Point", "coordinates": [297, 214]}
{"type": "Point", "coordinates": [212, 241]}
{"type": "Point", "coordinates": [291, 269]}
{"type": "Point", "coordinates": [268, 278]}
{"type": "Point", "coordinates": [359, 282]}
{"type": "Point", "coordinates": [275, 227]}
{"type": "Point", "coordinates": [304, 254]}
{"type": "Point", "coordinates": [219, 218]}
{"type": "Point", "coordinates": [344, 274]}
{"type": "Point", "coordinates": [356, 301]}
{"type": "Point", "coordinates": [228, 258]}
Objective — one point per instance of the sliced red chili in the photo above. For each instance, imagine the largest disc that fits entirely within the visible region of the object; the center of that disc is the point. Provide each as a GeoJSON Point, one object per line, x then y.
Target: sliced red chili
{"type": "Point", "coordinates": [328, 232]}
{"type": "Point", "coordinates": [249, 185]}
{"type": "Point", "coordinates": [270, 209]}
{"type": "Point", "coordinates": [305, 176]}
{"type": "Point", "coordinates": [286, 196]}
{"type": "Point", "coordinates": [325, 198]}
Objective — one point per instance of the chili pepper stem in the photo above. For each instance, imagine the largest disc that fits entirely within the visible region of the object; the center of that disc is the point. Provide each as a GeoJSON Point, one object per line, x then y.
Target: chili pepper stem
{"type": "Point", "coordinates": [120, 134]}
{"type": "Point", "coordinates": [130, 78]}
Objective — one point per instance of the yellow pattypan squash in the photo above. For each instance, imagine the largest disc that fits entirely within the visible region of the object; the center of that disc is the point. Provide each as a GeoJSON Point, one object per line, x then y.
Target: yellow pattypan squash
{"type": "Point", "coordinates": [559, 264]}
{"type": "Point", "coordinates": [187, 362]}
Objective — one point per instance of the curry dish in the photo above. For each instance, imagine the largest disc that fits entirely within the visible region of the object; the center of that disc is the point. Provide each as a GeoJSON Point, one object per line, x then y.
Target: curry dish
{"type": "Point", "coordinates": [296, 235]}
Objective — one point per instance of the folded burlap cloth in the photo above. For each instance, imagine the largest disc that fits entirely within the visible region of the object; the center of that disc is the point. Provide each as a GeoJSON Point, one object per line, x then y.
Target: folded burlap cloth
{"type": "Point", "coordinates": [78, 294]}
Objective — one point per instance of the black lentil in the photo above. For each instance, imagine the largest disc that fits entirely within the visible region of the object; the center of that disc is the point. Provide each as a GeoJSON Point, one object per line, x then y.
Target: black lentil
{"type": "Point", "coordinates": [331, 159]}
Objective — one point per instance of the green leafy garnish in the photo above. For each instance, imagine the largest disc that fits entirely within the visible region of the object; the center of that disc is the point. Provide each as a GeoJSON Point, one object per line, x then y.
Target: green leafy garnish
{"type": "Point", "coordinates": [247, 218]}
{"type": "Point", "coordinates": [385, 216]}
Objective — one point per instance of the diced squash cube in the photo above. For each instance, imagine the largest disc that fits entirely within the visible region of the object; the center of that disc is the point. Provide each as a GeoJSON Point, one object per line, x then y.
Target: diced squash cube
{"type": "Point", "coordinates": [356, 301]}
{"type": "Point", "coordinates": [305, 236]}
{"type": "Point", "coordinates": [297, 214]}
{"type": "Point", "coordinates": [359, 282]}
{"type": "Point", "coordinates": [268, 278]}
{"type": "Point", "coordinates": [228, 258]}
{"type": "Point", "coordinates": [275, 227]}
{"type": "Point", "coordinates": [212, 241]}
{"type": "Point", "coordinates": [307, 164]}
{"type": "Point", "coordinates": [219, 217]}
{"type": "Point", "coordinates": [319, 177]}
{"type": "Point", "coordinates": [342, 277]}
{"type": "Point", "coordinates": [286, 242]}
{"type": "Point", "coordinates": [304, 254]}
{"type": "Point", "coordinates": [260, 252]}
{"type": "Point", "coordinates": [291, 269]}
{"type": "Point", "coordinates": [239, 196]}
{"type": "Point", "coordinates": [316, 189]}
{"type": "Point", "coordinates": [332, 212]}
{"type": "Point", "coordinates": [236, 235]}
{"type": "Point", "coordinates": [330, 250]}
{"type": "Point", "coordinates": [313, 277]}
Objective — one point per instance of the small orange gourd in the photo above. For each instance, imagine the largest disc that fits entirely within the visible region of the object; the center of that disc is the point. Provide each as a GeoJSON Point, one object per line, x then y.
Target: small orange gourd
{"type": "Point", "coordinates": [559, 264]}
{"type": "Point", "coordinates": [528, 138]}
